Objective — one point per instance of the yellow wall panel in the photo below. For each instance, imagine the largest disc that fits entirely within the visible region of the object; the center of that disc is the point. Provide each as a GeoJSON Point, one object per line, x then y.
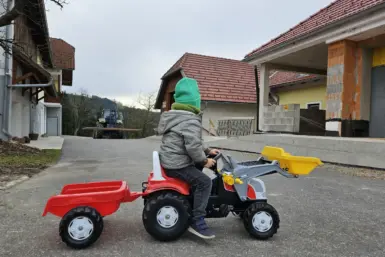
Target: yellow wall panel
{"type": "Point", "coordinates": [304, 96]}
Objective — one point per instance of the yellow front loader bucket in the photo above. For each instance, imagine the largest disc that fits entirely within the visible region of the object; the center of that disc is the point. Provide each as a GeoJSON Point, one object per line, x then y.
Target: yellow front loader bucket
{"type": "Point", "coordinates": [296, 165]}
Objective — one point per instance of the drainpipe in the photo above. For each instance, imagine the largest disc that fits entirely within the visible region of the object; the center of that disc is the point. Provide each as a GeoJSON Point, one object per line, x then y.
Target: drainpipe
{"type": "Point", "coordinates": [32, 85]}
{"type": "Point", "coordinates": [7, 111]}
{"type": "Point", "coordinates": [50, 82]}
{"type": "Point", "coordinates": [257, 97]}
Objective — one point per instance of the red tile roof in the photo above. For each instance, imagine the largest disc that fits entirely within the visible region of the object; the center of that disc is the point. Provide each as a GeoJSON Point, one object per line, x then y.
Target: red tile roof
{"type": "Point", "coordinates": [219, 79]}
{"type": "Point", "coordinates": [335, 11]}
{"type": "Point", "coordinates": [227, 80]}
{"type": "Point", "coordinates": [283, 77]}
{"type": "Point", "coordinates": [280, 78]}
{"type": "Point", "coordinates": [63, 54]}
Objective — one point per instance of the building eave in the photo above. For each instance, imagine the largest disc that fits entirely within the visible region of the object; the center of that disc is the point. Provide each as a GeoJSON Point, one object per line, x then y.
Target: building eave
{"type": "Point", "coordinates": [37, 69]}
{"type": "Point", "coordinates": [163, 86]}
{"type": "Point", "coordinates": [328, 29]}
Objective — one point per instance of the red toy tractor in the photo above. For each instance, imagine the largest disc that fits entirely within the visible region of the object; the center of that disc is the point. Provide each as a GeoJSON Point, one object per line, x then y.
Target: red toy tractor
{"type": "Point", "coordinates": [167, 201]}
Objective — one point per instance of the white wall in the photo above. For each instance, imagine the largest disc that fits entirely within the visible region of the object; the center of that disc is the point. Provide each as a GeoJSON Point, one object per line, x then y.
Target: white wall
{"type": "Point", "coordinates": [40, 119]}
{"type": "Point", "coordinates": [216, 111]}
{"type": "Point", "coordinates": [20, 120]}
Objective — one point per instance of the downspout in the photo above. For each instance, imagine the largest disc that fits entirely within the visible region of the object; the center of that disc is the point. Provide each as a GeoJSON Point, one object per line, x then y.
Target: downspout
{"type": "Point", "coordinates": [31, 125]}
{"type": "Point", "coordinates": [50, 82]}
{"type": "Point", "coordinates": [8, 76]}
{"type": "Point", "coordinates": [257, 92]}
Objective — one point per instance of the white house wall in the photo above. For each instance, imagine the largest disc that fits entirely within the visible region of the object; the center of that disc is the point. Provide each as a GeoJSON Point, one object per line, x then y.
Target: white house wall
{"type": "Point", "coordinates": [215, 111]}
{"type": "Point", "coordinates": [21, 114]}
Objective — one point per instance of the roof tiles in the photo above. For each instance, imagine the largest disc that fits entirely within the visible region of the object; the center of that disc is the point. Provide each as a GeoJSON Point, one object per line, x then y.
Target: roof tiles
{"type": "Point", "coordinates": [338, 10]}
{"type": "Point", "coordinates": [219, 79]}
{"type": "Point", "coordinates": [227, 80]}
{"type": "Point", "coordinates": [63, 54]}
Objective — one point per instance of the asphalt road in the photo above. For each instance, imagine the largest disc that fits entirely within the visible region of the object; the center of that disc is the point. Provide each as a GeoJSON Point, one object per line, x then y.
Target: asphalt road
{"type": "Point", "coordinates": [325, 214]}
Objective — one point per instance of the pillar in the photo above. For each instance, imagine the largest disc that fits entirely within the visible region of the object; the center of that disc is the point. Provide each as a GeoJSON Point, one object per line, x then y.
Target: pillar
{"type": "Point", "coordinates": [344, 87]}
{"type": "Point", "coordinates": [366, 92]}
{"type": "Point", "coordinates": [264, 90]}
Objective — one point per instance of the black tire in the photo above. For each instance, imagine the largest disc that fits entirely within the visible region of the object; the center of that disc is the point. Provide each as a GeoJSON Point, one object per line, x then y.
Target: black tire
{"type": "Point", "coordinates": [91, 215]}
{"type": "Point", "coordinates": [150, 211]}
{"type": "Point", "coordinates": [248, 216]}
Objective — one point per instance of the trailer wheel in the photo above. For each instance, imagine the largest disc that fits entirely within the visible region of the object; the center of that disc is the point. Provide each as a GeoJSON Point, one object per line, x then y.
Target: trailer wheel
{"type": "Point", "coordinates": [166, 216]}
{"type": "Point", "coordinates": [81, 227]}
{"type": "Point", "coordinates": [261, 220]}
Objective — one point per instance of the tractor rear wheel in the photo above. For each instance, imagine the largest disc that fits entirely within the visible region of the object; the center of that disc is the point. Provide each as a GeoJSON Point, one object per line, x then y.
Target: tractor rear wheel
{"type": "Point", "coordinates": [166, 216]}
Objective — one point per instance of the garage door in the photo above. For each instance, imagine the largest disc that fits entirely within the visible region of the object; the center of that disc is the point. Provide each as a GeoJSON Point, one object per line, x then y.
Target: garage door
{"type": "Point", "coordinates": [377, 113]}
{"type": "Point", "coordinates": [52, 126]}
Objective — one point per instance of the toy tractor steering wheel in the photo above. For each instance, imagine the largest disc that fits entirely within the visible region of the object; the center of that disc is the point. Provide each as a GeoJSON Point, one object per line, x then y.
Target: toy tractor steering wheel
{"type": "Point", "coordinates": [215, 158]}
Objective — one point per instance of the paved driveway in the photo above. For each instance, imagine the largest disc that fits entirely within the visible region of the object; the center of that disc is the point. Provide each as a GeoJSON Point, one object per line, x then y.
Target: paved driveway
{"type": "Point", "coordinates": [325, 214]}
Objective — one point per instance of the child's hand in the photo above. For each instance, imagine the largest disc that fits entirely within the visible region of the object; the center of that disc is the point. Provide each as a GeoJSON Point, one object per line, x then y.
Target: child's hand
{"type": "Point", "coordinates": [214, 152]}
{"type": "Point", "coordinates": [210, 163]}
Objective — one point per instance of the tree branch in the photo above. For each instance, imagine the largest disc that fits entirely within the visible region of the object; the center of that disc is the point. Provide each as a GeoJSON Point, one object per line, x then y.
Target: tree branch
{"type": "Point", "coordinates": [8, 17]}
{"type": "Point", "coordinates": [60, 3]}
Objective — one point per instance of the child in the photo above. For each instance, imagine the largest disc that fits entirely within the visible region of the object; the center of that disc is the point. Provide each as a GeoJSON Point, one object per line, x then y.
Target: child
{"type": "Point", "coordinates": [182, 150]}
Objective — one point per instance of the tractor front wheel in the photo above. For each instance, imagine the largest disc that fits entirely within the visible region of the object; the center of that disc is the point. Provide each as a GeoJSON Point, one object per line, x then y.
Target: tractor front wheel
{"type": "Point", "coordinates": [166, 216]}
{"type": "Point", "coordinates": [261, 220]}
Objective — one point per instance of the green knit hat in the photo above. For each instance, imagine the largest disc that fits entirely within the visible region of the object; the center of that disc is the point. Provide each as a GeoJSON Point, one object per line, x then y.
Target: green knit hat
{"type": "Point", "coordinates": [187, 92]}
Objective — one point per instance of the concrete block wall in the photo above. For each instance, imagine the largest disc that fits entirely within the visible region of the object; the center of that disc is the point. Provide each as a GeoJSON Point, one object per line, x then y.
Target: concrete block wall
{"type": "Point", "coordinates": [282, 118]}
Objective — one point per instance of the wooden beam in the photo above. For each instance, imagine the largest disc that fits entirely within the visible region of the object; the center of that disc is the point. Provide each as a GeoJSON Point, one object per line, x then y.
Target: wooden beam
{"type": "Point", "coordinates": [297, 69]}
{"type": "Point", "coordinates": [112, 129]}
{"type": "Point", "coordinates": [23, 77]}
{"type": "Point", "coordinates": [38, 100]}
{"type": "Point", "coordinates": [23, 90]}
{"type": "Point", "coordinates": [38, 91]}
{"type": "Point", "coordinates": [37, 79]}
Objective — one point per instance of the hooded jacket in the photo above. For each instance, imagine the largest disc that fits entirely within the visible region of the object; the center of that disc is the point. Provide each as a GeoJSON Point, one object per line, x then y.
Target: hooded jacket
{"type": "Point", "coordinates": [182, 143]}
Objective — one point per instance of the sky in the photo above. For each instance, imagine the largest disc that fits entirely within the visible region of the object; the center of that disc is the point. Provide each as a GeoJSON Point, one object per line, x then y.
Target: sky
{"type": "Point", "coordinates": [123, 47]}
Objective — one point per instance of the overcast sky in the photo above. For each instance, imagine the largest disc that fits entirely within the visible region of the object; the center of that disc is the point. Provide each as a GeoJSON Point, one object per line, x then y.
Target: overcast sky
{"type": "Point", "coordinates": [123, 47]}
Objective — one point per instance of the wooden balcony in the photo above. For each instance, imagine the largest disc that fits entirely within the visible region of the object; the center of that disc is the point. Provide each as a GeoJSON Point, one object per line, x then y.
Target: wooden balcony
{"type": "Point", "coordinates": [50, 99]}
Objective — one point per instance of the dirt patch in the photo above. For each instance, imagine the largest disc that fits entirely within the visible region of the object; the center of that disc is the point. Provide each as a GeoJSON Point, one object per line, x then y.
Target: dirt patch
{"type": "Point", "coordinates": [15, 148]}
{"type": "Point", "coordinates": [18, 160]}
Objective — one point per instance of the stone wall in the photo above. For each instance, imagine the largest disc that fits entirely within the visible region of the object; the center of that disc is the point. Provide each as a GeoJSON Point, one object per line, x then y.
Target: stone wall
{"type": "Point", "coordinates": [235, 127]}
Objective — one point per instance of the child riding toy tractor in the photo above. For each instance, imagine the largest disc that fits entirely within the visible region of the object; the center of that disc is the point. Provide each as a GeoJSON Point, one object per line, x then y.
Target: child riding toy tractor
{"type": "Point", "coordinates": [236, 188]}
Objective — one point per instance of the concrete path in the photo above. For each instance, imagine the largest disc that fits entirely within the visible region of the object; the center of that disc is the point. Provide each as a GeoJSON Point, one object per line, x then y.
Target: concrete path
{"type": "Point", "coordinates": [363, 152]}
{"type": "Point", "coordinates": [326, 214]}
{"type": "Point", "coordinates": [48, 143]}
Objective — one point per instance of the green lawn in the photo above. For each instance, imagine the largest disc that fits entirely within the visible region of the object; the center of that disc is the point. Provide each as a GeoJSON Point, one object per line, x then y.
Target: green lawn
{"type": "Point", "coordinates": [31, 160]}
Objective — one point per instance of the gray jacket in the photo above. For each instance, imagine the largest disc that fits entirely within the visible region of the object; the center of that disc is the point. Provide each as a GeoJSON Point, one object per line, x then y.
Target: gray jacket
{"type": "Point", "coordinates": [182, 143]}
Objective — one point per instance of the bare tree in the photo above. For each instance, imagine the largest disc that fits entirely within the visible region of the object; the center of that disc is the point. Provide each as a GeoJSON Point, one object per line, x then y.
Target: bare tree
{"type": "Point", "coordinates": [81, 109]}
{"type": "Point", "coordinates": [147, 101]}
{"type": "Point", "coordinates": [8, 16]}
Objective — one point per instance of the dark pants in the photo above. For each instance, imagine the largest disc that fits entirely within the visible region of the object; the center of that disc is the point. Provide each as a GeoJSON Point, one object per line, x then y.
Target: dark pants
{"type": "Point", "coordinates": [200, 184]}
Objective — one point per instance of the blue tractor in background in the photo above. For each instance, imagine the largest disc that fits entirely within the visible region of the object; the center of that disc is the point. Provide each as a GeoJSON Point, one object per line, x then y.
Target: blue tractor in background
{"type": "Point", "coordinates": [109, 125]}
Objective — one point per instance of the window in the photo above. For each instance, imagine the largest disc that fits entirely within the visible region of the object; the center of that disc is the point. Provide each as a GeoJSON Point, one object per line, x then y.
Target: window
{"type": "Point", "coordinates": [316, 106]}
